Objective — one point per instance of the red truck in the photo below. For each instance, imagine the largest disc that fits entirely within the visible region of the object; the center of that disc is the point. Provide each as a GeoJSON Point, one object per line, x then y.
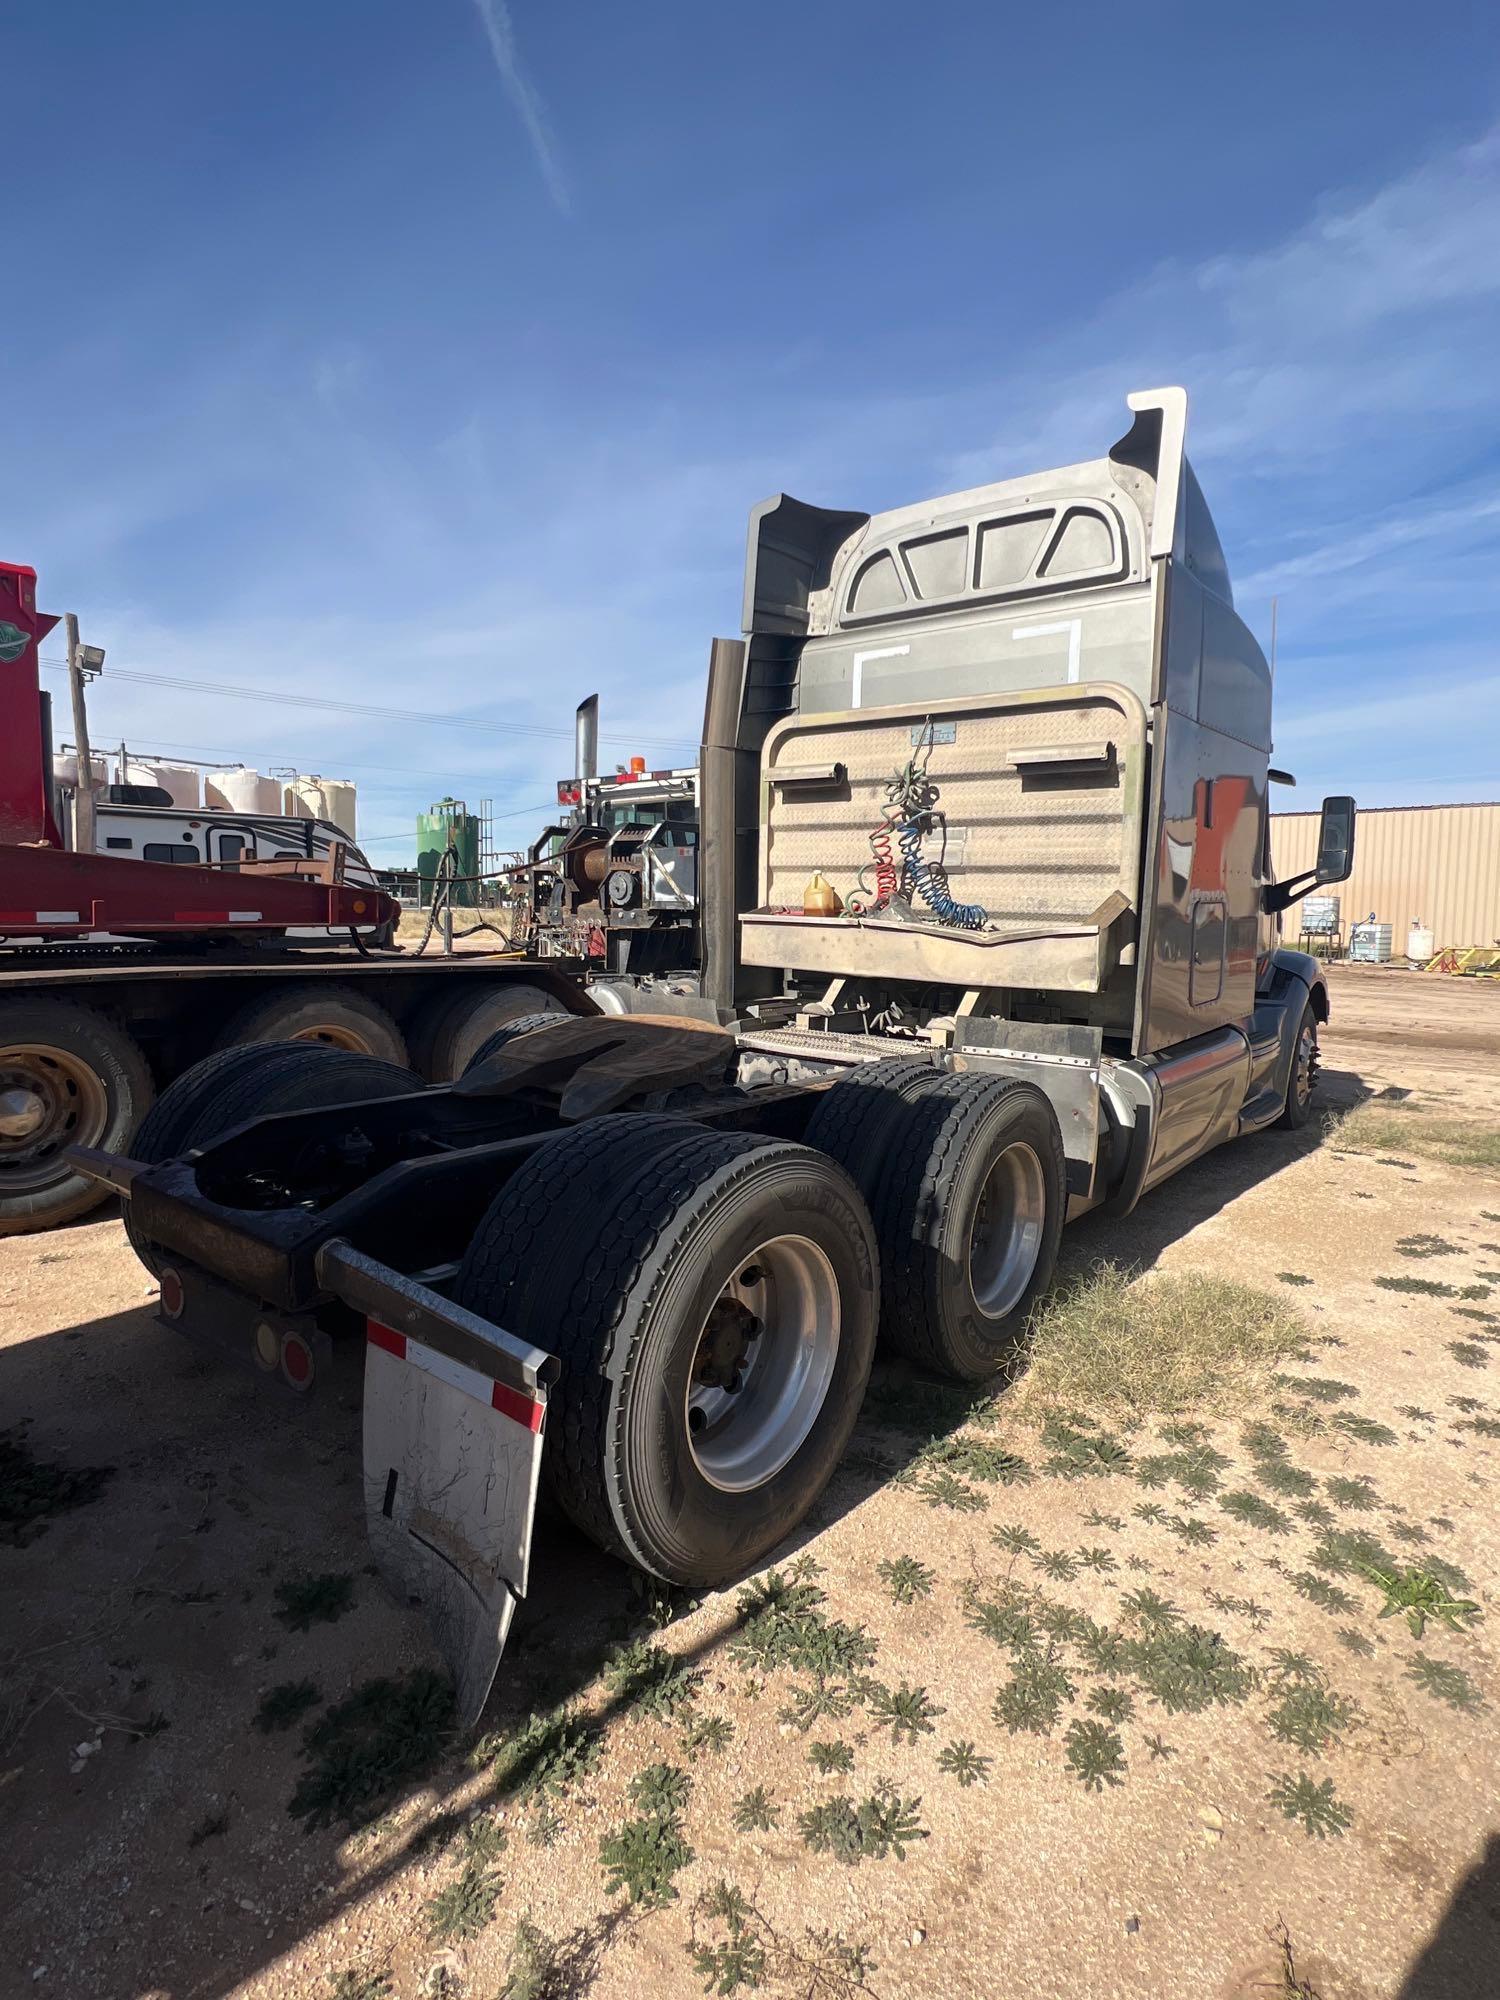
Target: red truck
{"type": "Point", "coordinates": [116, 973]}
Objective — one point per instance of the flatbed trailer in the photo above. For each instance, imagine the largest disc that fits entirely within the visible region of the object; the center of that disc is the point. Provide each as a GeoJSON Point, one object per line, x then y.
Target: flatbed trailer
{"type": "Point", "coordinates": [1027, 737]}
{"type": "Point", "coordinates": [117, 971]}
{"type": "Point", "coordinates": [90, 1034]}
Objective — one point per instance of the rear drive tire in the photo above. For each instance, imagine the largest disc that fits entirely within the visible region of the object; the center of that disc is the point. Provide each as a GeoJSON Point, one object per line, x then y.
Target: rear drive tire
{"type": "Point", "coordinates": [1303, 1079]}
{"type": "Point", "coordinates": [449, 1031]}
{"type": "Point", "coordinates": [661, 1262]}
{"type": "Point", "coordinates": [333, 1015]}
{"type": "Point", "coordinates": [225, 1089]}
{"type": "Point", "coordinates": [68, 1076]}
{"type": "Point", "coordinates": [855, 1119]}
{"type": "Point", "coordinates": [968, 1213]}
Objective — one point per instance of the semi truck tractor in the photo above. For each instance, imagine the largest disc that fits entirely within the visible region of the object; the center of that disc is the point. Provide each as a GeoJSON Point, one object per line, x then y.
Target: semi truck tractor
{"type": "Point", "coordinates": [615, 882]}
{"type": "Point", "coordinates": [1024, 737]}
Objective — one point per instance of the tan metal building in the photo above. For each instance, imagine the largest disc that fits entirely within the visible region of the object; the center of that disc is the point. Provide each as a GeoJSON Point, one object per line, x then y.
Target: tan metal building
{"type": "Point", "coordinates": [1437, 865]}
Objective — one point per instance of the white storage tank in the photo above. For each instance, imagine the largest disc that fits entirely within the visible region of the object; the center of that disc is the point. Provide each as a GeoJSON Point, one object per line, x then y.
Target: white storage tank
{"type": "Point", "coordinates": [340, 796]}
{"type": "Point", "coordinates": [65, 768]}
{"type": "Point", "coordinates": [1420, 943]}
{"type": "Point", "coordinates": [180, 782]}
{"type": "Point", "coordinates": [242, 791]}
{"type": "Point", "coordinates": [304, 798]}
{"type": "Point", "coordinates": [1370, 944]}
{"type": "Point", "coordinates": [1320, 914]}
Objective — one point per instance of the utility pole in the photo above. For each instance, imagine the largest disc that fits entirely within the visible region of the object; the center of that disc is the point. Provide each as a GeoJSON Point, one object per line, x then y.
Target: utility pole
{"type": "Point", "coordinates": [83, 797]}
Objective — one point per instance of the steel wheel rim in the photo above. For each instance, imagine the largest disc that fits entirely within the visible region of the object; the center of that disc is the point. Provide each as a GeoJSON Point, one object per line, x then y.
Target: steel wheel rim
{"type": "Point", "coordinates": [1006, 1239]}
{"type": "Point", "coordinates": [740, 1438]}
{"type": "Point", "coordinates": [1307, 1043]}
{"type": "Point", "coordinates": [49, 1099]}
{"type": "Point", "coordinates": [335, 1038]}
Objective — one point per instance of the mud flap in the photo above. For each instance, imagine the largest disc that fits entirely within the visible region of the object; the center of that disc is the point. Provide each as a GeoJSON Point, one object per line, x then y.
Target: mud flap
{"type": "Point", "coordinates": [452, 1459]}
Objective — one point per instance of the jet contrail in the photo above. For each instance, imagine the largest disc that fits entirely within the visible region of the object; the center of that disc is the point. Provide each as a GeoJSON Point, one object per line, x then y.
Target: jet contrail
{"type": "Point", "coordinates": [494, 18]}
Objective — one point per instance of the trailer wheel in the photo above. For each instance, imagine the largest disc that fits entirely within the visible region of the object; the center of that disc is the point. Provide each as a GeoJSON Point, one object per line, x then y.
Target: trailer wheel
{"type": "Point", "coordinates": [712, 1298]}
{"type": "Point", "coordinates": [68, 1076]}
{"type": "Point", "coordinates": [968, 1213]}
{"type": "Point", "coordinates": [449, 1031]}
{"type": "Point", "coordinates": [225, 1089]}
{"type": "Point", "coordinates": [332, 1015]}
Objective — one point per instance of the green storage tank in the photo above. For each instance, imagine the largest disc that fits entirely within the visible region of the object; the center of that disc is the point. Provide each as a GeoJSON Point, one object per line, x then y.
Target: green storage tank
{"type": "Point", "coordinates": [448, 823]}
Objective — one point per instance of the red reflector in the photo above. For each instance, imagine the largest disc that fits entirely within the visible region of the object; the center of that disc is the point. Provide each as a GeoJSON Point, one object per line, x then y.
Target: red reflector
{"type": "Point", "coordinates": [296, 1361]}
{"type": "Point", "coordinates": [511, 1403]}
{"type": "Point", "coordinates": [384, 1336]}
{"type": "Point", "coordinates": [171, 1294]}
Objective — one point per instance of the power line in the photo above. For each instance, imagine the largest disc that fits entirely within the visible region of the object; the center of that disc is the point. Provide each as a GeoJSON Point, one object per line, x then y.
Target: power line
{"type": "Point", "coordinates": [237, 692]}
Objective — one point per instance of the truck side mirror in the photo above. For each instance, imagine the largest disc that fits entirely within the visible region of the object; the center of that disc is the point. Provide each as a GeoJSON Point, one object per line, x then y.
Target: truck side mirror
{"type": "Point", "coordinates": [1334, 862]}
{"type": "Point", "coordinates": [1336, 840]}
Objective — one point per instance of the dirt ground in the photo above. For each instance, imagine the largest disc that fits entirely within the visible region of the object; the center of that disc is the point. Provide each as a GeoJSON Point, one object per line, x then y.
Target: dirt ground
{"type": "Point", "coordinates": [1137, 1844]}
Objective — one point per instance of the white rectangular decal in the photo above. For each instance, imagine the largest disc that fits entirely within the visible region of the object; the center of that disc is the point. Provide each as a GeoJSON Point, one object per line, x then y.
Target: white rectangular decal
{"type": "Point", "coordinates": [880, 653]}
{"type": "Point", "coordinates": [1071, 627]}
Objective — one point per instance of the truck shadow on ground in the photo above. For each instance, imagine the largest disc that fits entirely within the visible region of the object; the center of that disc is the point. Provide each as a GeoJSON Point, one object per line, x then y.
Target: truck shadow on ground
{"type": "Point", "coordinates": [1459, 1961]}
{"type": "Point", "coordinates": [150, 1621]}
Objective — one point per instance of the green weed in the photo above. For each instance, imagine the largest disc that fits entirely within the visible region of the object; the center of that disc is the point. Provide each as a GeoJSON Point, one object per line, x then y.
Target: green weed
{"type": "Point", "coordinates": [906, 1710]}
{"type": "Point", "coordinates": [1315, 1807]}
{"type": "Point", "coordinates": [1310, 1716]}
{"type": "Point", "coordinates": [906, 1579]}
{"type": "Point", "coordinates": [546, 1755]}
{"type": "Point", "coordinates": [829, 1758]}
{"type": "Point", "coordinates": [646, 1678]}
{"type": "Point", "coordinates": [711, 1733]}
{"type": "Point", "coordinates": [962, 1761]}
{"type": "Point", "coordinates": [1417, 1595]}
{"type": "Point", "coordinates": [306, 1601]}
{"type": "Point", "coordinates": [739, 1959]}
{"type": "Point", "coordinates": [1032, 1699]}
{"type": "Point", "coordinates": [661, 1791]}
{"type": "Point", "coordinates": [755, 1811]}
{"type": "Point", "coordinates": [34, 1490]}
{"type": "Point", "coordinates": [365, 1748]}
{"type": "Point", "coordinates": [642, 1857]}
{"type": "Point", "coordinates": [882, 1824]}
{"type": "Point", "coordinates": [1095, 1754]}
{"type": "Point", "coordinates": [464, 1907]}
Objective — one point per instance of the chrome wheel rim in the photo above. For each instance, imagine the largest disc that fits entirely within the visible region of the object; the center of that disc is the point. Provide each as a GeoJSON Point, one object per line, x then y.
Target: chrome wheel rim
{"type": "Point", "coordinates": [762, 1363]}
{"type": "Point", "coordinates": [1307, 1048]}
{"type": "Point", "coordinates": [1006, 1239]}
{"type": "Point", "coordinates": [49, 1099]}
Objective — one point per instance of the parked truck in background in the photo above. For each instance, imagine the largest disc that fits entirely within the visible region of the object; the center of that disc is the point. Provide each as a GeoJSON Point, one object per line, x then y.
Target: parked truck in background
{"type": "Point", "coordinates": [615, 882]}
{"type": "Point", "coordinates": [1026, 736]}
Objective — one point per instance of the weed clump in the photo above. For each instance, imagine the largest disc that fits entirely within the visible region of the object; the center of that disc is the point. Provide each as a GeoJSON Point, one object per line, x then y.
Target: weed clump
{"type": "Point", "coordinates": [386, 1734]}
{"type": "Point", "coordinates": [33, 1490]}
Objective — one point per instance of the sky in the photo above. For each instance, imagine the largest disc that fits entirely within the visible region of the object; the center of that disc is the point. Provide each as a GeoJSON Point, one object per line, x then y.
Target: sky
{"type": "Point", "coordinates": [430, 354]}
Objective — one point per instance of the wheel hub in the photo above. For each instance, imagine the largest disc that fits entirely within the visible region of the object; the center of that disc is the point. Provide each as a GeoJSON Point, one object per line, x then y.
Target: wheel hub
{"type": "Point", "coordinates": [764, 1359]}
{"type": "Point", "coordinates": [1006, 1239]}
{"type": "Point", "coordinates": [724, 1347]}
{"type": "Point", "coordinates": [23, 1111]}
{"type": "Point", "coordinates": [49, 1099]}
